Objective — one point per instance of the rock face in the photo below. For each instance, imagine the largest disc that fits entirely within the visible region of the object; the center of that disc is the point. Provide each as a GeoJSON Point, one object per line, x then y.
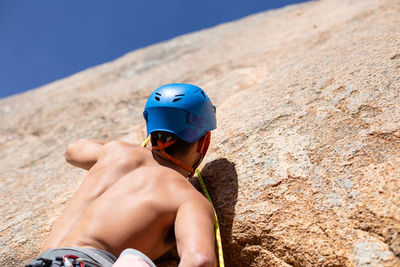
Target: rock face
{"type": "Point", "coordinates": [304, 168]}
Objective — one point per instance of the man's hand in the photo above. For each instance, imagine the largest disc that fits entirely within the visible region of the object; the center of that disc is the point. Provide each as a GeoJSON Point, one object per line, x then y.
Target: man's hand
{"type": "Point", "coordinates": [194, 232]}
{"type": "Point", "coordinates": [84, 153]}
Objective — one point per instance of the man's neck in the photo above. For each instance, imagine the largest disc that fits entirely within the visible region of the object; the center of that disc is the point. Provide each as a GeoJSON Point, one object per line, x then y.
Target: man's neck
{"type": "Point", "coordinates": [166, 163]}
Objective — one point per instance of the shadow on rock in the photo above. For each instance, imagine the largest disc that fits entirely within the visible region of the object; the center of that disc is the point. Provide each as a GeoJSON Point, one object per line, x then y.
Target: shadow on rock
{"type": "Point", "coordinates": [221, 181]}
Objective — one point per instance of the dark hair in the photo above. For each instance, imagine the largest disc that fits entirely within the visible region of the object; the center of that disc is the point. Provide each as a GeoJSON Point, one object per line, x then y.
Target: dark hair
{"type": "Point", "coordinates": [180, 147]}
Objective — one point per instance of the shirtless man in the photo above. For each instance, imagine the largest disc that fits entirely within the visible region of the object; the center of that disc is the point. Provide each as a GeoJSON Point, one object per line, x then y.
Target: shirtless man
{"type": "Point", "coordinates": [137, 198]}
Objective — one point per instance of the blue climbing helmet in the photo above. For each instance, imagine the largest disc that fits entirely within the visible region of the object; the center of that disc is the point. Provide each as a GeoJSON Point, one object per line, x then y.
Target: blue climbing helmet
{"type": "Point", "coordinates": [182, 109]}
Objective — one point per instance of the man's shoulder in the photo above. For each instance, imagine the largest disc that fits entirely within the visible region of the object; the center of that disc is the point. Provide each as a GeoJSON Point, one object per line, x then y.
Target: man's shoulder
{"type": "Point", "coordinates": [177, 183]}
{"type": "Point", "coordinates": [123, 152]}
{"type": "Point", "coordinates": [120, 147]}
{"type": "Point", "coordinates": [167, 176]}
{"type": "Point", "coordinates": [120, 144]}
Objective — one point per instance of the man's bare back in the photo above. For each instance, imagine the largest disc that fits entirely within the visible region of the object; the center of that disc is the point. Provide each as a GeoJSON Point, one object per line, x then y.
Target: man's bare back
{"type": "Point", "coordinates": [137, 201]}
{"type": "Point", "coordinates": [129, 200]}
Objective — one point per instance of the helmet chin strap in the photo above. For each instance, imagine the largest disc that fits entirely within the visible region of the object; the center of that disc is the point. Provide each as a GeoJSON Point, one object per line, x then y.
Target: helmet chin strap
{"type": "Point", "coordinates": [202, 148]}
{"type": "Point", "coordinates": [160, 150]}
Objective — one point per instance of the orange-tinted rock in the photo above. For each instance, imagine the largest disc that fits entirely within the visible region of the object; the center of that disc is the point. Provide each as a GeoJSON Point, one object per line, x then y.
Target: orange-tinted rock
{"type": "Point", "coordinates": [304, 168]}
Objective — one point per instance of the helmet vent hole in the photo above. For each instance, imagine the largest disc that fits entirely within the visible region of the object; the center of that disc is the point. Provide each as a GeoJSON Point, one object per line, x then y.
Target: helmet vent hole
{"type": "Point", "coordinates": [157, 98]}
{"type": "Point", "coordinates": [179, 95]}
{"type": "Point", "coordinates": [158, 94]}
{"type": "Point", "coordinates": [201, 91]}
{"type": "Point", "coordinates": [177, 99]}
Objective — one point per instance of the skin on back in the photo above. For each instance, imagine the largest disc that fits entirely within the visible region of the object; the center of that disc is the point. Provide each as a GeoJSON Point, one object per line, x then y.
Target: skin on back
{"type": "Point", "coordinates": [129, 200]}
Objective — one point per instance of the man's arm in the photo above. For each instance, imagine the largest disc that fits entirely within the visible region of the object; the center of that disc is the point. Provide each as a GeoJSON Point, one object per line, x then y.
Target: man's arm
{"type": "Point", "coordinates": [84, 153]}
{"type": "Point", "coordinates": [194, 232]}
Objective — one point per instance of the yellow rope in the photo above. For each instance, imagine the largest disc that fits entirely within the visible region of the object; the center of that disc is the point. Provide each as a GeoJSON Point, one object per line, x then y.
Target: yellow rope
{"type": "Point", "coordinates": [217, 229]}
{"type": "Point", "coordinates": [146, 141]}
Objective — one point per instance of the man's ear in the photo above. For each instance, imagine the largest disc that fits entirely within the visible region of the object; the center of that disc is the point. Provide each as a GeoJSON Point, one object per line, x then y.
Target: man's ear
{"type": "Point", "coordinates": [204, 143]}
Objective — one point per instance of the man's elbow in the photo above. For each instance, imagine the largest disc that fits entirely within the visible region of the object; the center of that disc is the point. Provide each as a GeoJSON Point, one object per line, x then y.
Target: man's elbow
{"type": "Point", "coordinates": [204, 260]}
{"type": "Point", "coordinates": [69, 154]}
{"type": "Point", "coordinates": [199, 259]}
{"type": "Point", "coordinates": [73, 150]}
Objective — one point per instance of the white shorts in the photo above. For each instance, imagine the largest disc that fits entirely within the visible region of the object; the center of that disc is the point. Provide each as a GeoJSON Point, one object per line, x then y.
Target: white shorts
{"type": "Point", "coordinates": [131, 251]}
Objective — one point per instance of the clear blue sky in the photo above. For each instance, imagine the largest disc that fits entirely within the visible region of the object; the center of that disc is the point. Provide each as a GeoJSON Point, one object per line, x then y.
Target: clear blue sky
{"type": "Point", "coordinates": [44, 40]}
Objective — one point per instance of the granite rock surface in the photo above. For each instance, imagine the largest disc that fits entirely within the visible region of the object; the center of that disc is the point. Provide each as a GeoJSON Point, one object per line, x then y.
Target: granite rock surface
{"type": "Point", "coordinates": [304, 168]}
